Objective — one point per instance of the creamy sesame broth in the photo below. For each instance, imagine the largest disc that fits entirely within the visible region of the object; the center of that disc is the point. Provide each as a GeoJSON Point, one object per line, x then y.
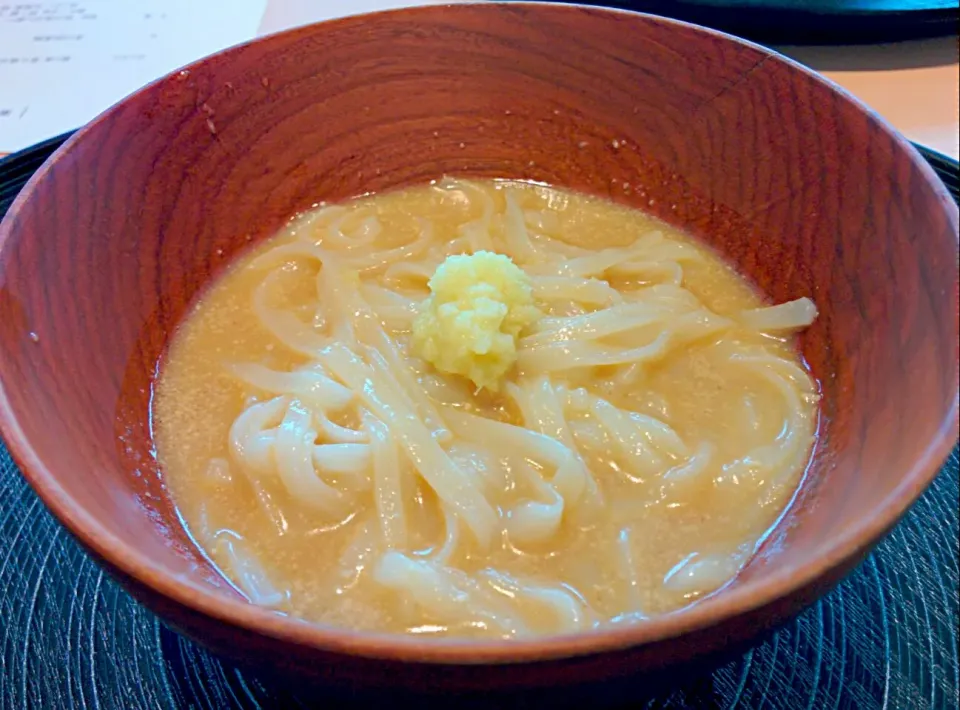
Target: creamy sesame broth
{"type": "Point", "coordinates": [651, 423]}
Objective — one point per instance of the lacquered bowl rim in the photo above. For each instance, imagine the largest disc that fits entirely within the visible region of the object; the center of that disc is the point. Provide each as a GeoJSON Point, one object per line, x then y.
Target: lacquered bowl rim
{"type": "Point", "coordinates": [835, 552]}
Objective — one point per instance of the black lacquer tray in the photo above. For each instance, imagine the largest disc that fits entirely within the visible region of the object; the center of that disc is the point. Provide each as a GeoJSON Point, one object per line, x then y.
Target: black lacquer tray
{"type": "Point", "coordinates": [809, 21]}
{"type": "Point", "coordinates": [70, 638]}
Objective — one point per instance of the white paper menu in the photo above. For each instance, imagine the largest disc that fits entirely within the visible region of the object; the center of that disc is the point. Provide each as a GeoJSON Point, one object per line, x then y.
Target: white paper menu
{"type": "Point", "coordinates": [284, 14]}
{"type": "Point", "coordinates": [63, 62]}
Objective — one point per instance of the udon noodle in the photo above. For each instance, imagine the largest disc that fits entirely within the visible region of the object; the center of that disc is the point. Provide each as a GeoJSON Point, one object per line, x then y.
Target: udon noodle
{"type": "Point", "coordinates": [654, 428]}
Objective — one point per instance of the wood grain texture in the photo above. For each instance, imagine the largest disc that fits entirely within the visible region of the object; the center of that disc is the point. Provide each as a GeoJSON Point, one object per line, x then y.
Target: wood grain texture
{"type": "Point", "coordinates": [803, 190]}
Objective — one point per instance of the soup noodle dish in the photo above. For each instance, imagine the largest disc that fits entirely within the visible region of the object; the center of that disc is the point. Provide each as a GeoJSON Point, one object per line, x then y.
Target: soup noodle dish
{"type": "Point", "coordinates": [483, 409]}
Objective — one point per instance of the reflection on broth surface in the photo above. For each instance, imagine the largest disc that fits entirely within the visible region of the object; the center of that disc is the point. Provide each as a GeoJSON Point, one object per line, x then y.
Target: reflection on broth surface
{"type": "Point", "coordinates": [654, 426]}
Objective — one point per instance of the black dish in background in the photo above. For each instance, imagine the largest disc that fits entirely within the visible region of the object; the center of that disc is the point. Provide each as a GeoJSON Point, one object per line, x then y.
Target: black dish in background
{"type": "Point", "coordinates": [801, 22]}
{"type": "Point", "coordinates": [946, 168]}
{"type": "Point", "coordinates": [16, 169]}
{"type": "Point", "coordinates": [70, 637]}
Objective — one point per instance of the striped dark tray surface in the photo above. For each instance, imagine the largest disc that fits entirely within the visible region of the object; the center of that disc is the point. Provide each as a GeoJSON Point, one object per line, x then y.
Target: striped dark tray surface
{"type": "Point", "coordinates": [71, 638]}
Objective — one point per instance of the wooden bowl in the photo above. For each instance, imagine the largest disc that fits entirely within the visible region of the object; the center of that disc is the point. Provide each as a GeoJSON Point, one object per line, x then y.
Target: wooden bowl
{"type": "Point", "coordinates": [800, 187]}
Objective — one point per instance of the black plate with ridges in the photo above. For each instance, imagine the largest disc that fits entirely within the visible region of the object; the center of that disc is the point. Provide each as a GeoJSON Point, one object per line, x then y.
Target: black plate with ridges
{"type": "Point", "coordinates": [70, 638]}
